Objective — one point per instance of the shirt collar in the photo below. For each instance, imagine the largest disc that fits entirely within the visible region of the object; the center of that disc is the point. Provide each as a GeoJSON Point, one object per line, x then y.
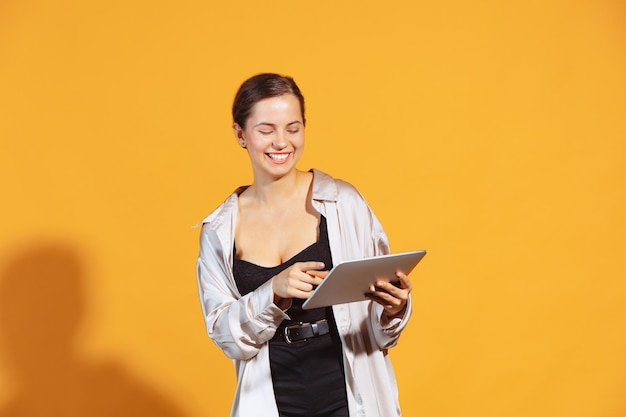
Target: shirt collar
{"type": "Point", "coordinates": [324, 186]}
{"type": "Point", "coordinates": [324, 189]}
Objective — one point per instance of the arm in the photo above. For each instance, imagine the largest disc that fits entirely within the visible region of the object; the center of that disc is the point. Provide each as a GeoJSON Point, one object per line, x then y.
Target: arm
{"type": "Point", "coordinates": [355, 233]}
{"type": "Point", "coordinates": [390, 308]}
{"type": "Point", "coordinates": [238, 325]}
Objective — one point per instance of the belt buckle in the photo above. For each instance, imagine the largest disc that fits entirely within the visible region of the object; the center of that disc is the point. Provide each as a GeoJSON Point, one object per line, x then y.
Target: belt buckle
{"type": "Point", "coordinates": [286, 333]}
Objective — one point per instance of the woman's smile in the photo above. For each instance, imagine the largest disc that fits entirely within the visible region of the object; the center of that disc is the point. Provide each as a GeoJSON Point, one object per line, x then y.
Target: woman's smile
{"type": "Point", "coordinates": [278, 158]}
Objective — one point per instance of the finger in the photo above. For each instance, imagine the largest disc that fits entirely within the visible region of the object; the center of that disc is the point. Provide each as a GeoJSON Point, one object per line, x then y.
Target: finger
{"type": "Point", "coordinates": [318, 274]}
{"type": "Point", "coordinates": [304, 287]}
{"type": "Point", "coordinates": [391, 298]}
{"type": "Point", "coordinates": [303, 281]}
{"type": "Point", "coordinates": [394, 289]}
{"type": "Point", "coordinates": [300, 294]}
{"type": "Point", "coordinates": [384, 300]}
{"type": "Point", "coordinates": [402, 284]}
{"type": "Point", "coordinates": [404, 281]}
{"type": "Point", "coordinates": [307, 276]}
{"type": "Point", "coordinates": [309, 266]}
{"type": "Point", "coordinates": [299, 289]}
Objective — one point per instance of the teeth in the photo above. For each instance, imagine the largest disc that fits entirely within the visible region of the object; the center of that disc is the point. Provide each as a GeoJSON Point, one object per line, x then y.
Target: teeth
{"type": "Point", "coordinates": [278, 156]}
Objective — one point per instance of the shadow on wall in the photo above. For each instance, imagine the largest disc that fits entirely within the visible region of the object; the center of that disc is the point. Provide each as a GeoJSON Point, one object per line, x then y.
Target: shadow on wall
{"type": "Point", "coordinates": [41, 309]}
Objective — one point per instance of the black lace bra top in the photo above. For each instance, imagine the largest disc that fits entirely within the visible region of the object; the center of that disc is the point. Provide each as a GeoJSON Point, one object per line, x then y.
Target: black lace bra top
{"type": "Point", "coordinates": [250, 276]}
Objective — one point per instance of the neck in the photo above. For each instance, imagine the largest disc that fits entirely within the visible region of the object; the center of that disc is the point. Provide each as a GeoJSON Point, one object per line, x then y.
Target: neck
{"type": "Point", "coordinates": [275, 191]}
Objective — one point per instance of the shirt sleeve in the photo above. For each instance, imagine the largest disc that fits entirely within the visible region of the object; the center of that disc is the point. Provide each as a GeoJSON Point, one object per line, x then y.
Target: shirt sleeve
{"type": "Point", "coordinates": [240, 326]}
{"type": "Point", "coordinates": [362, 236]}
{"type": "Point", "coordinates": [386, 331]}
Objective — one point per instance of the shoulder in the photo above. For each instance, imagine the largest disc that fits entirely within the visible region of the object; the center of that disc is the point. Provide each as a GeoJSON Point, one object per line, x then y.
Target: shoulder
{"type": "Point", "coordinates": [326, 187]}
{"type": "Point", "coordinates": [216, 230]}
{"type": "Point", "coordinates": [223, 212]}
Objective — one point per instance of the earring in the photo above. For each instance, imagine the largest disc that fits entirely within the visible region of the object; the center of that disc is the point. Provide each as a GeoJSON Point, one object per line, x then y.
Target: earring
{"type": "Point", "coordinates": [243, 144]}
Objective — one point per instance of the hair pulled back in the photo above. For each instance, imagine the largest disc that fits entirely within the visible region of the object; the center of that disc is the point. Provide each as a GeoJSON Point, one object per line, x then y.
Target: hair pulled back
{"type": "Point", "coordinates": [260, 87]}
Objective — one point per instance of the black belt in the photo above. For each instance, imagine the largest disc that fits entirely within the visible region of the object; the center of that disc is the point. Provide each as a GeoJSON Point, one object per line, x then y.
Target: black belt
{"type": "Point", "coordinates": [303, 331]}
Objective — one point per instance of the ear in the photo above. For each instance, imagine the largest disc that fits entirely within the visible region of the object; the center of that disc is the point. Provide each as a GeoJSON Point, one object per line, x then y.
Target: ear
{"type": "Point", "coordinates": [239, 135]}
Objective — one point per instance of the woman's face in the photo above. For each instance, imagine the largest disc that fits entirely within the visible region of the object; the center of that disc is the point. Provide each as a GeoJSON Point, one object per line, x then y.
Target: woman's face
{"type": "Point", "coordinates": [273, 136]}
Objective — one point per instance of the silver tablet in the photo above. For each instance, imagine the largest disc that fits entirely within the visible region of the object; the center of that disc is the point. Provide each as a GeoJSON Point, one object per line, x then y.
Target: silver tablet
{"type": "Point", "coordinates": [350, 280]}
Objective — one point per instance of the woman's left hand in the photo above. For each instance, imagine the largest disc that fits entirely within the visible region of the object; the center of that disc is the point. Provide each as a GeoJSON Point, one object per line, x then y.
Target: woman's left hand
{"type": "Point", "coordinates": [393, 297]}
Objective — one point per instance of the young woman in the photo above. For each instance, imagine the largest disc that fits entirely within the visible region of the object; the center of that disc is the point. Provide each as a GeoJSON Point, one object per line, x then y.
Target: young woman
{"type": "Point", "coordinates": [263, 251]}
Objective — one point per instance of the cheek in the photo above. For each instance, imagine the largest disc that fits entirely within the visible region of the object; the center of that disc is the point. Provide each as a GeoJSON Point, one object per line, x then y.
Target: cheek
{"type": "Point", "coordinates": [256, 141]}
{"type": "Point", "coordinates": [299, 141]}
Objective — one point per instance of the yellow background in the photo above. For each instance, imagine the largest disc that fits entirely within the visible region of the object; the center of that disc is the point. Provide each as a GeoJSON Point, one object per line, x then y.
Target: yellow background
{"type": "Point", "coordinates": [490, 133]}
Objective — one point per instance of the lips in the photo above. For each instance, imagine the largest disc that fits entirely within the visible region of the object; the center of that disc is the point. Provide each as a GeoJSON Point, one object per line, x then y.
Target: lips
{"type": "Point", "coordinates": [278, 158]}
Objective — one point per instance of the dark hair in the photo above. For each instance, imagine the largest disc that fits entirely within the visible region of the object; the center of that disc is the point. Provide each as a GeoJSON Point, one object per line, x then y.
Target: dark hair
{"type": "Point", "coordinates": [260, 87]}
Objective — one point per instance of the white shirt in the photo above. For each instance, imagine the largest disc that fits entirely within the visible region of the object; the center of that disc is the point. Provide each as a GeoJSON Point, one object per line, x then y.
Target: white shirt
{"type": "Point", "coordinates": [242, 325]}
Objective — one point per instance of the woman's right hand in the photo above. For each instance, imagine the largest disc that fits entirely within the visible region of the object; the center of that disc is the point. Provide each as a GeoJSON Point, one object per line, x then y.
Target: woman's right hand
{"type": "Point", "coordinates": [297, 281]}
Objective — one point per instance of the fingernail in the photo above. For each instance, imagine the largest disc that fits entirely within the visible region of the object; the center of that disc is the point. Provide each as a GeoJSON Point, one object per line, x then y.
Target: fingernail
{"type": "Point", "coordinates": [321, 265]}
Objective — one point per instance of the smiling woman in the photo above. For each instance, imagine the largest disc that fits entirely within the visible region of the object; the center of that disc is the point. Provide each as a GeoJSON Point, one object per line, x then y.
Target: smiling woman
{"type": "Point", "coordinates": [265, 249]}
{"type": "Point", "coordinates": [273, 135]}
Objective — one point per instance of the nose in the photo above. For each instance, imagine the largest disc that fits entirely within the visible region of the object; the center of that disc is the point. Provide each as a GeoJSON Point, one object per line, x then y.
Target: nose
{"type": "Point", "coordinates": [280, 140]}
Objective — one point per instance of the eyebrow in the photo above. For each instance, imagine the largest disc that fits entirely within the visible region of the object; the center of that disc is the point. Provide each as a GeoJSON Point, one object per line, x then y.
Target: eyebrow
{"type": "Point", "coordinates": [273, 125]}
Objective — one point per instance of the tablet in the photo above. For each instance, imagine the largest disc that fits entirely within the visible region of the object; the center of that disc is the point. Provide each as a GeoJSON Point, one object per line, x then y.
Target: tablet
{"type": "Point", "coordinates": [350, 280]}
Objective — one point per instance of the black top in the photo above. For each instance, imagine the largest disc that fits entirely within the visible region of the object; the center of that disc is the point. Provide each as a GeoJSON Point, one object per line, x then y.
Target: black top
{"type": "Point", "coordinates": [250, 276]}
{"type": "Point", "coordinates": [308, 377]}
